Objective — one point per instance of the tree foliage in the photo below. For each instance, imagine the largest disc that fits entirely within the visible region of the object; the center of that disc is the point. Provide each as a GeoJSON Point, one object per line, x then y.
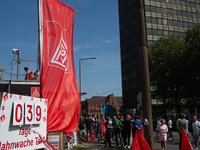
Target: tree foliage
{"type": "Point", "coordinates": [174, 67]}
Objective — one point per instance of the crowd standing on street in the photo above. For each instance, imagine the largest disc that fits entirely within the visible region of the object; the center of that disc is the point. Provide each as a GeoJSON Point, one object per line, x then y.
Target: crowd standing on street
{"type": "Point", "coordinates": [123, 129]}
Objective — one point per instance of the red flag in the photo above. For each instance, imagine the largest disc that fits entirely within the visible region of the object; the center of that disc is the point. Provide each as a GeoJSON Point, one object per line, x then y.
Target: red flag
{"type": "Point", "coordinates": [92, 135]}
{"type": "Point", "coordinates": [103, 128]}
{"type": "Point", "coordinates": [139, 142]}
{"type": "Point", "coordinates": [58, 80]}
{"type": "Point", "coordinates": [185, 142]}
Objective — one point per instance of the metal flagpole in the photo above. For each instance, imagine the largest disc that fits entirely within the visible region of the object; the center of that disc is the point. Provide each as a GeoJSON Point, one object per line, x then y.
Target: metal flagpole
{"type": "Point", "coordinates": [40, 36]}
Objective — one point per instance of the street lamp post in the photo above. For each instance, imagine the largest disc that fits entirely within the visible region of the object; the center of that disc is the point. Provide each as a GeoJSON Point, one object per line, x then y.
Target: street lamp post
{"type": "Point", "coordinates": [17, 51]}
{"type": "Point", "coordinates": [80, 74]}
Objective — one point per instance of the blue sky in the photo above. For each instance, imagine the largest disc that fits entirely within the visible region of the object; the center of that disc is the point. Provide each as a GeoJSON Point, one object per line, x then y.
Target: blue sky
{"type": "Point", "coordinates": [96, 34]}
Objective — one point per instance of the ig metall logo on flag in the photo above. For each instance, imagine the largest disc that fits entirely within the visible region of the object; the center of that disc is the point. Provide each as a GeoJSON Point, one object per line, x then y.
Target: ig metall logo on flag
{"type": "Point", "coordinates": [58, 39]}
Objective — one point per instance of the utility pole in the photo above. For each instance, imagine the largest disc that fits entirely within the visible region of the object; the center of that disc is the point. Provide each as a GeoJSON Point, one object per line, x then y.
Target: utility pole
{"type": "Point", "coordinates": [144, 71]}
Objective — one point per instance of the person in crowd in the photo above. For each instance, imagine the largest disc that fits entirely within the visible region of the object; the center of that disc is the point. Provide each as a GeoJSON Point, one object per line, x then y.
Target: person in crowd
{"type": "Point", "coordinates": [183, 122]}
{"type": "Point", "coordinates": [116, 126]}
{"type": "Point", "coordinates": [136, 125]}
{"type": "Point", "coordinates": [170, 126]}
{"type": "Point", "coordinates": [98, 126]}
{"type": "Point", "coordinates": [127, 126]}
{"type": "Point", "coordinates": [195, 131]}
{"type": "Point", "coordinates": [179, 118]}
{"type": "Point", "coordinates": [82, 129]}
{"type": "Point", "coordinates": [108, 131]}
{"type": "Point", "coordinates": [95, 128]}
{"type": "Point", "coordinates": [121, 128]}
{"type": "Point", "coordinates": [88, 124]}
{"type": "Point", "coordinates": [158, 123]}
{"type": "Point", "coordinates": [162, 130]}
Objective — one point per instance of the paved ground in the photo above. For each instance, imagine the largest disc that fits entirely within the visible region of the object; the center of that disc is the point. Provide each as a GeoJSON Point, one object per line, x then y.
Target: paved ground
{"type": "Point", "coordinates": [100, 145]}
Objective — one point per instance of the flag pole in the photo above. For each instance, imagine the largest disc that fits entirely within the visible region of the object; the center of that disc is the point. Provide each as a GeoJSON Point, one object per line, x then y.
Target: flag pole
{"type": "Point", "coordinates": [40, 36]}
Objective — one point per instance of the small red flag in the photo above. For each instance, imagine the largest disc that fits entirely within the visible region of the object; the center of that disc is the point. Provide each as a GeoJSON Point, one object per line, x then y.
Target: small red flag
{"type": "Point", "coordinates": [139, 142]}
{"type": "Point", "coordinates": [185, 142]}
{"type": "Point", "coordinates": [103, 128]}
{"type": "Point", "coordinates": [92, 135]}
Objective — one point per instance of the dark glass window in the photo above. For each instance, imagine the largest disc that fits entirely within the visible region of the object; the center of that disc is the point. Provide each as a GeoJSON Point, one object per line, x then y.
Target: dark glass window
{"type": "Point", "coordinates": [164, 11]}
{"type": "Point", "coordinates": [194, 15]}
{"type": "Point", "coordinates": [175, 23]}
{"type": "Point", "coordinates": [178, 2]}
{"type": "Point", "coordinates": [147, 8]}
{"type": "Point", "coordinates": [187, 4]}
{"type": "Point", "coordinates": [182, 3]}
{"type": "Point", "coordinates": [181, 34]}
{"type": "Point", "coordinates": [158, 9]}
{"type": "Point", "coordinates": [148, 19]}
{"type": "Point", "coordinates": [173, 2]}
{"type": "Point", "coordinates": [175, 33]}
{"type": "Point", "coordinates": [153, 9]}
{"type": "Point", "coordinates": [148, 31]}
{"type": "Point", "coordinates": [189, 15]}
{"type": "Point", "coordinates": [179, 13]}
{"type": "Point", "coordinates": [174, 12]}
{"type": "Point", "coordinates": [184, 13]}
{"type": "Point", "coordinates": [197, 6]}
{"type": "Point", "coordinates": [180, 24]}
{"type": "Point", "coordinates": [198, 15]}
{"type": "Point", "coordinates": [193, 5]}
{"type": "Point", "coordinates": [160, 32]}
{"type": "Point", "coordinates": [185, 24]}
{"type": "Point", "coordinates": [154, 20]}
{"type": "Point", "coordinates": [155, 32]}
{"type": "Point", "coordinates": [157, 0]}
{"type": "Point", "coordinates": [171, 33]}
{"type": "Point", "coordinates": [170, 22]}
{"type": "Point", "coordinates": [169, 11]}
{"type": "Point", "coordinates": [190, 25]}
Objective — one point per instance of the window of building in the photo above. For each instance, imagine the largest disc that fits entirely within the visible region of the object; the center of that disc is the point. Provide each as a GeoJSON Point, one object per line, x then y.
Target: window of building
{"type": "Point", "coordinates": [158, 9]}
{"type": "Point", "coordinates": [147, 8]}
{"type": "Point", "coordinates": [91, 106]}
{"type": "Point", "coordinates": [182, 3]}
{"type": "Point", "coordinates": [171, 33]}
{"type": "Point", "coordinates": [154, 20]}
{"type": "Point", "coordinates": [169, 11]}
{"type": "Point", "coordinates": [194, 15]}
{"type": "Point", "coordinates": [155, 32]}
{"type": "Point", "coordinates": [153, 9]}
{"type": "Point", "coordinates": [91, 110]}
{"type": "Point", "coordinates": [174, 12]}
{"type": "Point", "coordinates": [175, 23]}
{"type": "Point", "coordinates": [164, 22]}
{"type": "Point", "coordinates": [178, 2]}
{"type": "Point", "coordinates": [166, 33]}
{"type": "Point", "coordinates": [160, 32]}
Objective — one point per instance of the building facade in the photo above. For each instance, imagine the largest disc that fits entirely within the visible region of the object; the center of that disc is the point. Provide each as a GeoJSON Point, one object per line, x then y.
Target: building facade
{"type": "Point", "coordinates": [95, 105]}
{"type": "Point", "coordinates": [163, 18]}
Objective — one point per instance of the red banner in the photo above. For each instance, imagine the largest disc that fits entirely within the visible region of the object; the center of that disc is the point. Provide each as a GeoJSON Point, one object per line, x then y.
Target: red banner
{"type": "Point", "coordinates": [139, 142]}
{"type": "Point", "coordinates": [185, 142]}
{"type": "Point", "coordinates": [103, 128]}
{"type": "Point", "coordinates": [92, 135]}
{"type": "Point", "coordinates": [58, 79]}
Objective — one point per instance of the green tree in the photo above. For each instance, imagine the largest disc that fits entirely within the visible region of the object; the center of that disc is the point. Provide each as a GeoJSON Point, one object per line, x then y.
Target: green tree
{"type": "Point", "coordinates": [166, 68]}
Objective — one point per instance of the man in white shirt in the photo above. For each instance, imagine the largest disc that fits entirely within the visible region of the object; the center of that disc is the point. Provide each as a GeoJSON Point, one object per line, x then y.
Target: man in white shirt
{"type": "Point", "coordinates": [195, 131]}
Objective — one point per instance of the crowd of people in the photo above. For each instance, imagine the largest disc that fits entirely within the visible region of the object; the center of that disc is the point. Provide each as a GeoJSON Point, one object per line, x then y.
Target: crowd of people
{"type": "Point", "coordinates": [119, 128]}
{"type": "Point", "coordinates": [192, 125]}
{"type": "Point", "coordinates": [122, 129]}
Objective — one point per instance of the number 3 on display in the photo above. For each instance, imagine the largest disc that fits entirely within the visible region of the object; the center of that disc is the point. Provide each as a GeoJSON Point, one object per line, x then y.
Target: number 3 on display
{"type": "Point", "coordinates": [33, 113]}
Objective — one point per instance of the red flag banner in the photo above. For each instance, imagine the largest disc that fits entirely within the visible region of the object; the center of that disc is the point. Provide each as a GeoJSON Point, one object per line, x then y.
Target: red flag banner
{"type": "Point", "coordinates": [185, 142]}
{"type": "Point", "coordinates": [139, 142]}
{"type": "Point", "coordinates": [58, 80]}
{"type": "Point", "coordinates": [103, 128]}
{"type": "Point", "coordinates": [92, 135]}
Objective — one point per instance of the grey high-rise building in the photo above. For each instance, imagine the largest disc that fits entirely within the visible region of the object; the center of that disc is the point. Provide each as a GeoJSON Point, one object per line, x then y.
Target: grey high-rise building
{"type": "Point", "coordinates": [163, 18]}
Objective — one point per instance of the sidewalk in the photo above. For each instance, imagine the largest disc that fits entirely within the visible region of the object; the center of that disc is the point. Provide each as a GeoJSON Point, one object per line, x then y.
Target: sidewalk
{"type": "Point", "coordinates": [101, 146]}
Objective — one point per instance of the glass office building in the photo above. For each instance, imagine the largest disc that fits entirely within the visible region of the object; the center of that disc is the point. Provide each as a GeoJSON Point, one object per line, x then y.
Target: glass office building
{"type": "Point", "coordinates": [163, 18]}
